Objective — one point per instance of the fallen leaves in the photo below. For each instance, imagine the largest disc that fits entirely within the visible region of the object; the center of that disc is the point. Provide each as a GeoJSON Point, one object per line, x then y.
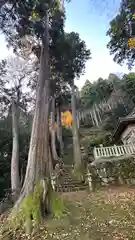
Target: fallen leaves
{"type": "Point", "coordinates": [107, 215]}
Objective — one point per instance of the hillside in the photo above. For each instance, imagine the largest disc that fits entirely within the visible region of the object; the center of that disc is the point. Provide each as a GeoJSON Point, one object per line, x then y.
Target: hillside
{"type": "Point", "coordinates": [106, 99]}
{"type": "Point", "coordinates": [90, 137]}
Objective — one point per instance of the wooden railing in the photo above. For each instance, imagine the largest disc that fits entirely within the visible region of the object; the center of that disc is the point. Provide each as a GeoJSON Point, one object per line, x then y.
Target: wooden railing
{"type": "Point", "coordinates": [113, 151]}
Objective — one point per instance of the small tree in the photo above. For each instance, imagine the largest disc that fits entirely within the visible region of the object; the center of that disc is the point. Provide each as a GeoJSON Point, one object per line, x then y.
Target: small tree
{"type": "Point", "coordinates": [14, 80]}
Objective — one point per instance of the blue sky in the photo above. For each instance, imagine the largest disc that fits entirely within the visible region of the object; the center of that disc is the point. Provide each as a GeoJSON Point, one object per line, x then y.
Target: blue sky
{"type": "Point", "coordinates": [91, 21]}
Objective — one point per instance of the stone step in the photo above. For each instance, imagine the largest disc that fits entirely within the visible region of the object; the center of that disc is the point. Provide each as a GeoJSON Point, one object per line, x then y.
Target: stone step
{"type": "Point", "coordinates": [67, 176]}
{"type": "Point", "coordinates": [67, 183]}
{"type": "Point", "coordinates": [71, 189]}
{"type": "Point", "coordinates": [73, 182]}
{"type": "Point", "coordinates": [70, 173]}
{"type": "Point", "coordinates": [71, 185]}
{"type": "Point", "coordinates": [69, 180]}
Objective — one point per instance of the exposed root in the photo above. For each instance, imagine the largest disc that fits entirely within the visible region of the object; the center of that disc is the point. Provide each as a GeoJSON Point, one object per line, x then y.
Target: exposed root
{"type": "Point", "coordinates": [30, 210]}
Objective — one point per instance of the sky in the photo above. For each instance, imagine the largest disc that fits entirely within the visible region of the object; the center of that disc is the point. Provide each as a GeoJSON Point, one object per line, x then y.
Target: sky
{"type": "Point", "coordinates": [91, 21]}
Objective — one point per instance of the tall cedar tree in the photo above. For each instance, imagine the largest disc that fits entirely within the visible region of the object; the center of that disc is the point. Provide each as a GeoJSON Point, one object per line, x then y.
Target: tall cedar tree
{"type": "Point", "coordinates": [44, 22]}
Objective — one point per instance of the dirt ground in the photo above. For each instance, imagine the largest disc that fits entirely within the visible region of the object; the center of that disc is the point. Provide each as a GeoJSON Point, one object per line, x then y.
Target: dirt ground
{"type": "Point", "coordinates": [104, 215]}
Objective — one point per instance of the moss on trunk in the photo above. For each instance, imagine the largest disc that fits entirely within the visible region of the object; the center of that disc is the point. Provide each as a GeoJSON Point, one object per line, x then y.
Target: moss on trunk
{"type": "Point", "coordinates": [28, 215]}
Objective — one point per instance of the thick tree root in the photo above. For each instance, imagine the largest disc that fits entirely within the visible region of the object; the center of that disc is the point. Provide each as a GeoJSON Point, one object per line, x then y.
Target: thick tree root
{"type": "Point", "coordinates": [30, 210]}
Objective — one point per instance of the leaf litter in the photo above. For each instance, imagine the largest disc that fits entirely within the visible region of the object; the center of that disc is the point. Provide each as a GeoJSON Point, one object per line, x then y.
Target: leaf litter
{"type": "Point", "coordinates": [107, 215]}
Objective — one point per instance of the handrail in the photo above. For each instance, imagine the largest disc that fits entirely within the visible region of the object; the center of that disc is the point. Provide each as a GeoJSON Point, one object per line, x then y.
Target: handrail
{"type": "Point", "coordinates": [114, 151]}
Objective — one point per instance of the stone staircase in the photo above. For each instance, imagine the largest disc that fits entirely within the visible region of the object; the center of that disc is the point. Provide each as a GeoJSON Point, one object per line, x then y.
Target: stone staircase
{"type": "Point", "coordinates": [66, 183]}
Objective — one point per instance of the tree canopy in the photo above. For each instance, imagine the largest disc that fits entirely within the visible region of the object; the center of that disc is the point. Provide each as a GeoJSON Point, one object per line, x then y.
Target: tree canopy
{"type": "Point", "coordinates": [94, 93]}
{"type": "Point", "coordinates": [129, 85]}
{"type": "Point", "coordinates": [119, 33]}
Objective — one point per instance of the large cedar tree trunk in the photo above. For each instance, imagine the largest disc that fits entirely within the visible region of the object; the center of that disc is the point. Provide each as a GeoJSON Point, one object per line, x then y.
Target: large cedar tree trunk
{"type": "Point", "coordinates": [15, 178]}
{"type": "Point", "coordinates": [59, 130]}
{"type": "Point", "coordinates": [38, 157]}
{"type": "Point", "coordinates": [76, 142]}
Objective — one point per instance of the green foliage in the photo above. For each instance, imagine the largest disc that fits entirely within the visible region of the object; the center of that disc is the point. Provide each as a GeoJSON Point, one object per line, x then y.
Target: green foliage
{"type": "Point", "coordinates": [124, 169]}
{"type": "Point", "coordinates": [119, 35]}
{"type": "Point", "coordinates": [114, 92]}
{"type": "Point", "coordinates": [89, 142]}
{"type": "Point", "coordinates": [6, 150]}
{"type": "Point", "coordinates": [129, 85]}
{"type": "Point", "coordinates": [29, 208]}
{"type": "Point", "coordinates": [74, 54]}
{"type": "Point", "coordinates": [58, 205]}
{"type": "Point", "coordinates": [113, 116]}
{"type": "Point", "coordinates": [67, 133]}
{"type": "Point", "coordinates": [94, 93]}
{"type": "Point", "coordinates": [26, 18]}
{"type": "Point", "coordinates": [5, 156]}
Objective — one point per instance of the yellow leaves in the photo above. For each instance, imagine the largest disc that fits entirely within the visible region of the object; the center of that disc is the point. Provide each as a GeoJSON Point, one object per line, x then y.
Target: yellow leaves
{"type": "Point", "coordinates": [131, 43]}
{"type": "Point", "coordinates": [133, 16]}
{"type": "Point", "coordinates": [66, 118]}
{"type": "Point", "coordinates": [34, 15]}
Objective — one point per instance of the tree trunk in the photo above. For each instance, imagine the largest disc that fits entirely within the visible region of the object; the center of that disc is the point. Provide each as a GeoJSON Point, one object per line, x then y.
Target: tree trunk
{"type": "Point", "coordinates": [92, 118]}
{"type": "Point", "coordinates": [38, 157]}
{"type": "Point", "coordinates": [37, 166]}
{"type": "Point", "coordinates": [15, 178]}
{"type": "Point", "coordinates": [98, 113]}
{"type": "Point", "coordinates": [76, 142]}
{"type": "Point", "coordinates": [53, 131]}
{"type": "Point", "coordinates": [95, 117]}
{"type": "Point", "coordinates": [51, 162]}
{"type": "Point", "coordinates": [78, 121]}
{"type": "Point", "coordinates": [59, 130]}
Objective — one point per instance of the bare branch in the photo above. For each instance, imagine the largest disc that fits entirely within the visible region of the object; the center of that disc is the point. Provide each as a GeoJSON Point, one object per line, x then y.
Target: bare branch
{"type": "Point", "coordinates": [2, 2]}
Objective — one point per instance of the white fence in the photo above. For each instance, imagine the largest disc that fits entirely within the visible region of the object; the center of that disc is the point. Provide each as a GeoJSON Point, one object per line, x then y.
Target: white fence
{"type": "Point", "coordinates": [113, 151]}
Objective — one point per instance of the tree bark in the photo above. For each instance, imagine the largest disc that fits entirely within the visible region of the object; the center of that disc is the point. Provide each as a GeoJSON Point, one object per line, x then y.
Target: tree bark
{"type": "Point", "coordinates": [38, 157]}
{"type": "Point", "coordinates": [95, 117]}
{"type": "Point", "coordinates": [59, 130]}
{"type": "Point", "coordinates": [76, 142]}
{"type": "Point", "coordinates": [53, 131]}
{"type": "Point", "coordinates": [51, 162]}
{"type": "Point", "coordinates": [15, 178]}
{"type": "Point", "coordinates": [78, 121]}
